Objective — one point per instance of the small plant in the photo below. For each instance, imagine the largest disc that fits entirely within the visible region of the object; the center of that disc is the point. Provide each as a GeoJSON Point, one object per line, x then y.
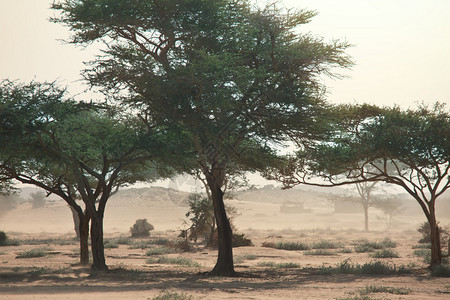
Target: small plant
{"type": "Point", "coordinates": [324, 244]}
{"type": "Point", "coordinates": [425, 254]}
{"type": "Point", "coordinates": [375, 267]}
{"type": "Point", "coordinates": [141, 228]}
{"type": "Point", "coordinates": [181, 261]}
{"type": "Point", "coordinates": [286, 245]}
{"type": "Point", "coordinates": [271, 264]}
{"type": "Point", "coordinates": [110, 244]}
{"type": "Point", "coordinates": [159, 251]}
{"type": "Point", "coordinates": [371, 289]}
{"type": "Point", "coordinates": [385, 253]}
{"type": "Point", "coordinates": [241, 258]}
{"type": "Point", "coordinates": [173, 296]}
{"type": "Point", "coordinates": [323, 252]}
{"type": "Point", "coordinates": [36, 252]}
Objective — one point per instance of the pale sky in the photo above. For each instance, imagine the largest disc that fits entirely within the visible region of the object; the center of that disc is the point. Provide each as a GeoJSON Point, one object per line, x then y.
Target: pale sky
{"type": "Point", "coordinates": [401, 47]}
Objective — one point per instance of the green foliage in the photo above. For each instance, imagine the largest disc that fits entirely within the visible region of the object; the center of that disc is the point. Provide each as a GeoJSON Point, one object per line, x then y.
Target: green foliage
{"type": "Point", "coordinates": [325, 244]}
{"type": "Point", "coordinates": [285, 265]}
{"type": "Point", "coordinates": [425, 230]}
{"type": "Point", "coordinates": [181, 261]}
{"type": "Point", "coordinates": [385, 253]}
{"type": "Point", "coordinates": [441, 271]}
{"type": "Point", "coordinates": [201, 215]}
{"type": "Point", "coordinates": [141, 228]}
{"type": "Point", "coordinates": [36, 252]}
{"type": "Point", "coordinates": [3, 238]}
{"type": "Point", "coordinates": [320, 252]}
{"type": "Point", "coordinates": [374, 267]}
{"type": "Point", "coordinates": [287, 245]}
{"type": "Point", "coordinates": [168, 295]}
{"type": "Point", "coordinates": [371, 289]}
{"type": "Point", "coordinates": [369, 246]}
{"type": "Point", "coordinates": [159, 251]}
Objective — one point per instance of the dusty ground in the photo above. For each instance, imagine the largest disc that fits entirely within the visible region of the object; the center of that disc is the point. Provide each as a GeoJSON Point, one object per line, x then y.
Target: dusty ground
{"type": "Point", "coordinates": [132, 276]}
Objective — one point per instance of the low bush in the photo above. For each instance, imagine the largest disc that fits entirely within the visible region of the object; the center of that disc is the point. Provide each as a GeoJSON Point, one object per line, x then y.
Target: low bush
{"type": "Point", "coordinates": [141, 228]}
{"type": "Point", "coordinates": [271, 264]}
{"type": "Point", "coordinates": [180, 261]}
{"type": "Point", "coordinates": [36, 252]}
{"type": "Point", "coordinates": [385, 253]}
{"type": "Point", "coordinates": [375, 267]}
{"type": "Point", "coordinates": [441, 271]}
{"type": "Point", "coordinates": [286, 245]}
{"type": "Point", "coordinates": [173, 296]}
{"type": "Point", "coordinates": [324, 252]}
{"type": "Point", "coordinates": [159, 251]}
{"type": "Point", "coordinates": [3, 238]}
{"type": "Point", "coordinates": [325, 244]}
{"type": "Point", "coordinates": [371, 289]}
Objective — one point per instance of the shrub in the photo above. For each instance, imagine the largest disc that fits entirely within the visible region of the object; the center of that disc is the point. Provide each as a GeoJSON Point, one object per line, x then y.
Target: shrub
{"type": "Point", "coordinates": [324, 244]}
{"type": "Point", "coordinates": [172, 296]}
{"type": "Point", "coordinates": [239, 240]}
{"type": "Point", "coordinates": [110, 243]}
{"type": "Point", "coordinates": [441, 271]}
{"type": "Point", "coordinates": [141, 228]}
{"type": "Point", "coordinates": [159, 251]}
{"type": "Point", "coordinates": [3, 238]}
{"type": "Point", "coordinates": [36, 252]}
{"type": "Point", "coordinates": [385, 253]}
{"type": "Point", "coordinates": [425, 254]}
{"type": "Point", "coordinates": [181, 261]}
{"type": "Point", "coordinates": [286, 245]}
{"type": "Point", "coordinates": [271, 264]}
{"type": "Point", "coordinates": [425, 230]}
{"type": "Point", "coordinates": [323, 252]}
{"type": "Point", "coordinates": [384, 289]}
{"type": "Point", "coordinates": [375, 267]}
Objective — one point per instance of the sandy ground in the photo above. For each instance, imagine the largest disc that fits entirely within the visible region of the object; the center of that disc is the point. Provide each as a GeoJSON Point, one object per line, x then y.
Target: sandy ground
{"type": "Point", "coordinates": [56, 275]}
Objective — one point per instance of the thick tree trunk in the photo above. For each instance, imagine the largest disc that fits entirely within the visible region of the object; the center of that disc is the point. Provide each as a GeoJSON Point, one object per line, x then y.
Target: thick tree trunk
{"type": "Point", "coordinates": [436, 251]}
{"type": "Point", "coordinates": [98, 249]}
{"type": "Point", "coordinates": [224, 265]}
{"type": "Point", "coordinates": [84, 240]}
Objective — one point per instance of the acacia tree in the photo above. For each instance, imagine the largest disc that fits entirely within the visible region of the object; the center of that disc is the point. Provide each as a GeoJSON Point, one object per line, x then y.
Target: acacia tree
{"type": "Point", "coordinates": [237, 79]}
{"type": "Point", "coordinates": [73, 151]}
{"type": "Point", "coordinates": [410, 149]}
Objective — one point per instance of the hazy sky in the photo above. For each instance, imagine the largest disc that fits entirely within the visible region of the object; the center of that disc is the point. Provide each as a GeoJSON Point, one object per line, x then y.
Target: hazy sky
{"type": "Point", "coordinates": [401, 47]}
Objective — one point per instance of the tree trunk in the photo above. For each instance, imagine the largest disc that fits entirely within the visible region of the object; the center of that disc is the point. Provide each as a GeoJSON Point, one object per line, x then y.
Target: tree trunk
{"type": "Point", "coordinates": [436, 251]}
{"type": "Point", "coordinates": [366, 218]}
{"type": "Point", "coordinates": [76, 221]}
{"type": "Point", "coordinates": [224, 265]}
{"type": "Point", "coordinates": [84, 237]}
{"type": "Point", "coordinates": [98, 249]}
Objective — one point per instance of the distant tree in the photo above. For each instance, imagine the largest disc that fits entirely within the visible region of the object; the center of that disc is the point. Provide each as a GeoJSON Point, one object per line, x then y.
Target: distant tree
{"type": "Point", "coordinates": [141, 228]}
{"type": "Point", "coordinates": [236, 79]}
{"type": "Point", "coordinates": [389, 205]}
{"type": "Point", "coordinates": [410, 149]}
{"type": "Point", "coordinates": [365, 190]}
{"type": "Point", "coordinates": [37, 199]}
{"type": "Point", "coordinates": [75, 151]}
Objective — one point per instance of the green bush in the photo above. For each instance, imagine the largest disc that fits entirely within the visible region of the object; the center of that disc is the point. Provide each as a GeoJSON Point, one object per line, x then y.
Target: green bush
{"type": "Point", "coordinates": [173, 296]}
{"type": "Point", "coordinates": [323, 252]}
{"type": "Point", "coordinates": [324, 244]}
{"type": "Point", "coordinates": [286, 245]}
{"type": "Point", "coordinates": [3, 238]}
{"type": "Point", "coordinates": [36, 252]}
{"type": "Point", "coordinates": [441, 271]}
{"type": "Point", "coordinates": [271, 264]}
{"type": "Point", "coordinates": [371, 289]}
{"type": "Point", "coordinates": [375, 267]}
{"type": "Point", "coordinates": [385, 253]}
{"type": "Point", "coordinates": [159, 251]}
{"type": "Point", "coordinates": [239, 240]}
{"type": "Point", "coordinates": [141, 228]}
{"type": "Point", "coordinates": [181, 261]}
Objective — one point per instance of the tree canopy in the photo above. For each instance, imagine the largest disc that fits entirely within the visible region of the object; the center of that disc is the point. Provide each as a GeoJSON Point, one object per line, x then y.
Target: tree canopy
{"type": "Point", "coordinates": [407, 148]}
{"type": "Point", "coordinates": [236, 78]}
{"type": "Point", "coordinates": [75, 150]}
